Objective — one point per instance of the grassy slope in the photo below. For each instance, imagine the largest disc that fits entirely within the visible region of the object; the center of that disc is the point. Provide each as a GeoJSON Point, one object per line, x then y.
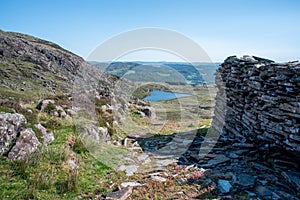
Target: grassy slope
{"type": "Point", "coordinates": [43, 175]}
{"type": "Point", "coordinates": [20, 75]}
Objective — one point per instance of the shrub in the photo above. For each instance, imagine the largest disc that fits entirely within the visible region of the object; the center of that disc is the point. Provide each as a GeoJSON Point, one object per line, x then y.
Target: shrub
{"type": "Point", "coordinates": [79, 147]}
{"type": "Point", "coordinates": [50, 108]}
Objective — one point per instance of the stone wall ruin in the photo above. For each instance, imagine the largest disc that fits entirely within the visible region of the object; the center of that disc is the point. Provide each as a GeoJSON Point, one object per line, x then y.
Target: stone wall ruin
{"type": "Point", "coordinates": [258, 104]}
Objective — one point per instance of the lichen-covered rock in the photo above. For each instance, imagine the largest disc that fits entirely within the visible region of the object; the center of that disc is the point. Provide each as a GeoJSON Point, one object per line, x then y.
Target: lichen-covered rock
{"type": "Point", "coordinates": [26, 144]}
{"type": "Point", "coordinates": [100, 133]}
{"type": "Point", "coordinates": [10, 126]}
{"type": "Point", "coordinates": [48, 137]}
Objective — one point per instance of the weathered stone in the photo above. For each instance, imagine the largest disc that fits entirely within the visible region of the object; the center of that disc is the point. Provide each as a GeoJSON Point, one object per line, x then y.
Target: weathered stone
{"type": "Point", "coordinates": [43, 104]}
{"type": "Point", "coordinates": [158, 178]}
{"type": "Point", "coordinates": [103, 131]}
{"type": "Point", "coordinates": [224, 186]}
{"type": "Point", "coordinates": [98, 134]}
{"type": "Point", "coordinates": [217, 160]}
{"type": "Point", "coordinates": [258, 101]}
{"type": "Point", "coordinates": [61, 112]}
{"type": "Point", "coordinates": [120, 194]}
{"type": "Point", "coordinates": [10, 126]}
{"type": "Point", "coordinates": [233, 155]}
{"type": "Point", "coordinates": [264, 191]}
{"type": "Point", "coordinates": [130, 184]}
{"type": "Point", "coordinates": [243, 145]}
{"type": "Point", "coordinates": [48, 137]}
{"type": "Point", "coordinates": [129, 169]}
{"type": "Point", "coordinates": [246, 180]}
{"type": "Point", "coordinates": [26, 143]}
{"type": "Point", "coordinates": [261, 167]}
{"type": "Point", "coordinates": [292, 178]}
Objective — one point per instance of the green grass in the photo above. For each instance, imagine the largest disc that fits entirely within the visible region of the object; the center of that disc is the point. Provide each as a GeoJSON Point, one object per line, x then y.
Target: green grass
{"type": "Point", "coordinates": [19, 74]}
{"type": "Point", "coordinates": [163, 74]}
{"type": "Point", "coordinates": [130, 72]}
{"type": "Point", "coordinates": [6, 110]}
{"type": "Point", "coordinates": [43, 174]}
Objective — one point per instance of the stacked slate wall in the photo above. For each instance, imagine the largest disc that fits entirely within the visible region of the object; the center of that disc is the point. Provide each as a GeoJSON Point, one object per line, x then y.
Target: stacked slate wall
{"type": "Point", "coordinates": [258, 103]}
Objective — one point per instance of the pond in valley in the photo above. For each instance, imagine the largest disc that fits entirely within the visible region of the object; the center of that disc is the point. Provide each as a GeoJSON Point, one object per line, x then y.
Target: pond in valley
{"type": "Point", "coordinates": [161, 95]}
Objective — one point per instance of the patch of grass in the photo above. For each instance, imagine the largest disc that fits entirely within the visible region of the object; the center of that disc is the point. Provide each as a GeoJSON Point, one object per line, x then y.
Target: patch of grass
{"type": "Point", "coordinates": [25, 80]}
{"type": "Point", "coordinates": [135, 115]}
{"type": "Point", "coordinates": [129, 72]}
{"type": "Point", "coordinates": [6, 110]}
{"type": "Point", "coordinates": [50, 122]}
{"type": "Point", "coordinates": [79, 147]}
{"type": "Point", "coordinates": [205, 122]}
{"type": "Point", "coordinates": [202, 131]}
{"type": "Point", "coordinates": [49, 108]}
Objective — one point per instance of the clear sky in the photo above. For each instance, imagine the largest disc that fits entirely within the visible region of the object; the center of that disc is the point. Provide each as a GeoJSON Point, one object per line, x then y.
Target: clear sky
{"type": "Point", "coordinates": [266, 28]}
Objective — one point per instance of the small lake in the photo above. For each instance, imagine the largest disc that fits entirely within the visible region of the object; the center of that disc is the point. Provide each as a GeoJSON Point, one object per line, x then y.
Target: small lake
{"type": "Point", "coordinates": [161, 95]}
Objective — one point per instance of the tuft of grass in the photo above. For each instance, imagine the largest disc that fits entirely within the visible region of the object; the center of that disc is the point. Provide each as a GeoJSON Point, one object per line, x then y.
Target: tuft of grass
{"type": "Point", "coordinates": [50, 122]}
{"type": "Point", "coordinates": [79, 147]}
{"type": "Point", "coordinates": [49, 108]}
{"type": "Point", "coordinates": [6, 110]}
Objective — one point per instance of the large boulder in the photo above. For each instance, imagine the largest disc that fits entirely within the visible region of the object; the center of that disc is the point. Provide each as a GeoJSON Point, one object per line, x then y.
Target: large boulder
{"type": "Point", "coordinates": [10, 126]}
{"type": "Point", "coordinates": [16, 142]}
{"type": "Point", "coordinates": [26, 144]}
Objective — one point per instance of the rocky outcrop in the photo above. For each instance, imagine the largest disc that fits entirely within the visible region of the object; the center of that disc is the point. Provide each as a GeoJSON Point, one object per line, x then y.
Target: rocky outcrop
{"type": "Point", "coordinates": [16, 141]}
{"type": "Point", "coordinates": [26, 144]}
{"type": "Point", "coordinates": [50, 106]}
{"type": "Point", "coordinates": [28, 63]}
{"type": "Point", "coordinates": [258, 103]}
{"type": "Point", "coordinates": [35, 59]}
{"type": "Point", "coordinates": [10, 126]}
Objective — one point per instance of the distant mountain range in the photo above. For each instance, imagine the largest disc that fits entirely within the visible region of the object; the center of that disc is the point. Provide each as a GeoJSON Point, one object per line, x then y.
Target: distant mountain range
{"type": "Point", "coordinates": [170, 72]}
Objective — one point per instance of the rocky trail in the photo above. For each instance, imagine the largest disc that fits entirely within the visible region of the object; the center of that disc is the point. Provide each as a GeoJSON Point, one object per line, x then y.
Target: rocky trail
{"type": "Point", "coordinates": [170, 167]}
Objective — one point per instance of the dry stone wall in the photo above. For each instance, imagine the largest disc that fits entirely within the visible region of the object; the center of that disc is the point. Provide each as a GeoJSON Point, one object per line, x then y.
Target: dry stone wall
{"type": "Point", "coordinates": [258, 103]}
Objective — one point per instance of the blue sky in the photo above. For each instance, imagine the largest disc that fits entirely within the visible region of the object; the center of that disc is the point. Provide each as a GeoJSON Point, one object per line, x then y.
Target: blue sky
{"type": "Point", "coordinates": [233, 27]}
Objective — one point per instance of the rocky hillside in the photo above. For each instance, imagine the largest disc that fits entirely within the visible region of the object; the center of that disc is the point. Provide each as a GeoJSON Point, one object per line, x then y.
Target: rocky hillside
{"type": "Point", "coordinates": [31, 67]}
{"type": "Point", "coordinates": [41, 152]}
